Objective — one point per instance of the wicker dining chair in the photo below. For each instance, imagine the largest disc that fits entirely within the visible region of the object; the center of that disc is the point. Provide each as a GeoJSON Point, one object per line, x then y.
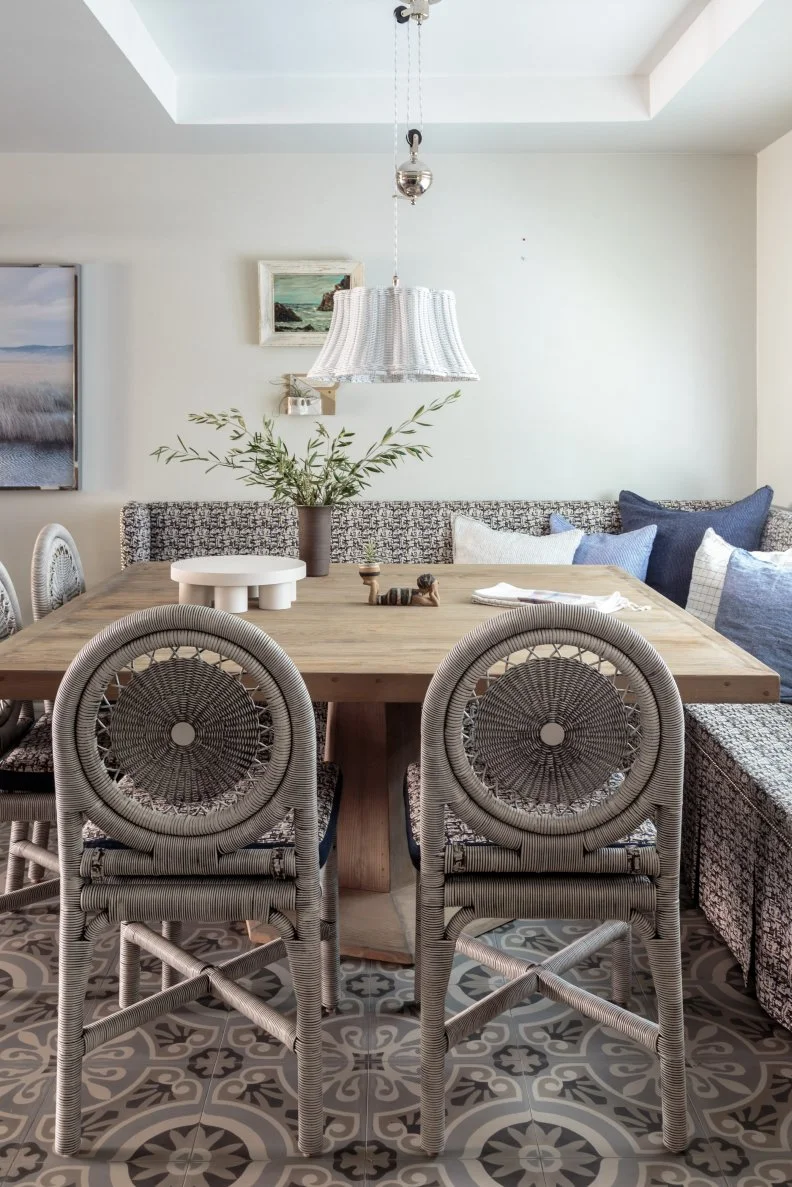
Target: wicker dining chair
{"type": "Point", "coordinates": [56, 578]}
{"type": "Point", "coordinates": [186, 776]}
{"type": "Point", "coordinates": [27, 784]}
{"type": "Point", "coordinates": [56, 574]}
{"type": "Point", "coordinates": [550, 786]}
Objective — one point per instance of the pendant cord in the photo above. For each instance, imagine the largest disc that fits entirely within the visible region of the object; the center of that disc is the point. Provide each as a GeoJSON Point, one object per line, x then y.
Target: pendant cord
{"type": "Point", "coordinates": [420, 79]}
{"type": "Point", "coordinates": [395, 153]}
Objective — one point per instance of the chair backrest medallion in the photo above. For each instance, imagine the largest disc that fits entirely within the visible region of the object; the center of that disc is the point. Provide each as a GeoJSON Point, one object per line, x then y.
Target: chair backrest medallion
{"type": "Point", "coordinates": [184, 733]}
{"type": "Point", "coordinates": [57, 571]}
{"type": "Point", "coordinates": [549, 727]}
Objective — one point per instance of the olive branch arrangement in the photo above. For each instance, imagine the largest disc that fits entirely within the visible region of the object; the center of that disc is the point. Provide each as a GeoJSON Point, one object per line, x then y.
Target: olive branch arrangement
{"type": "Point", "coordinates": [325, 476]}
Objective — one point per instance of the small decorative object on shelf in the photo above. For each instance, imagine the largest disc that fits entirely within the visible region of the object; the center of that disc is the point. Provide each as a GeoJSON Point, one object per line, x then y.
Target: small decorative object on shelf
{"type": "Point", "coordinates": [324, 477]}
{"type": "Point", "coordinates": [303, 399]}
{"type": "Point", "coordinates": [424, 593]}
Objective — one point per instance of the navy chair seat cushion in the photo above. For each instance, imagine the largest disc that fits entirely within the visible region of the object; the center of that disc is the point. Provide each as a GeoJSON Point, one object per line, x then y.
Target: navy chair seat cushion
{"type": "Point", "coordinates": [328, 790]}
{"type": "Point", "coordinates": [458, 832]}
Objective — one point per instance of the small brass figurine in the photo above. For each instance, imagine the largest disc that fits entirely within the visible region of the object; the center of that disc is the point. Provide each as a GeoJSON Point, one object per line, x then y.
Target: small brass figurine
{"type": "Point", "coordinates": [426, 593]}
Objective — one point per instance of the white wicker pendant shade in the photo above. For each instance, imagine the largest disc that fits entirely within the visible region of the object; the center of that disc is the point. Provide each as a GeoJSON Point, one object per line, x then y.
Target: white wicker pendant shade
{"type": "Point", "coordinates": [393, 335]}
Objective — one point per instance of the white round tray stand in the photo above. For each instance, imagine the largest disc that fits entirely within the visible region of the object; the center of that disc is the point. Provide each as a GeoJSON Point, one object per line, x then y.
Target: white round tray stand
{"type": "Point", "coordinates": [230, 580]}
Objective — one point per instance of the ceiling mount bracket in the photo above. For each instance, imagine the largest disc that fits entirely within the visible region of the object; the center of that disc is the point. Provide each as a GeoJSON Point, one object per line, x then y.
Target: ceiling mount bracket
{"type": "Point", "coordinates": [416, 10]}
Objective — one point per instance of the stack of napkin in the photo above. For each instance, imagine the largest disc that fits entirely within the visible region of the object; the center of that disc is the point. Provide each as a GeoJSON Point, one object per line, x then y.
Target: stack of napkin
{"type": "Point", "coordinates": [504, 594]}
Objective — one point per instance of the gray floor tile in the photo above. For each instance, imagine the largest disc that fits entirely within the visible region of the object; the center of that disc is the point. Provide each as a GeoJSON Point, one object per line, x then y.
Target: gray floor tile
{"type": "Point", "coordinates": [536, 1098]}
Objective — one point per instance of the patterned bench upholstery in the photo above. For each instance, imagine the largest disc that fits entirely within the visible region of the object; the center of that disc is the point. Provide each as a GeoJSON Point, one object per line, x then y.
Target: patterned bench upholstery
{"type": "Point", "coordinates": [737, 838]}
{"type": "Point", "coordinates": [403, 532]}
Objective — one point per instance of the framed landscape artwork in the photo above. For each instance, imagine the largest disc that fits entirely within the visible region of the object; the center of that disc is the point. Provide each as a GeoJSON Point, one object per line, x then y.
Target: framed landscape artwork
{"type": "Point", "coordinates": [39, 318]}
{"type": "Point", "coordinates": [296, 298]}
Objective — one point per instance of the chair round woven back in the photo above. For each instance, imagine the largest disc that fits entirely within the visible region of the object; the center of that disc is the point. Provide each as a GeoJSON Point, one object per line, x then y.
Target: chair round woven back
{"type": "Point", "coordinates": [10, 623]}
{"type": "Point", "coordinates": [552, 720]}
{"type": "Point", "coordinates": [57, 572]}
{"type": "Point", "coordinates": [180, 720]}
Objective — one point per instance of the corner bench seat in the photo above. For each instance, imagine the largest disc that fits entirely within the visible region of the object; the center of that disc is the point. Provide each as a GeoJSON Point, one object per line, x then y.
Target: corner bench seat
{"type": "Point", "coordinates": [737, 838]}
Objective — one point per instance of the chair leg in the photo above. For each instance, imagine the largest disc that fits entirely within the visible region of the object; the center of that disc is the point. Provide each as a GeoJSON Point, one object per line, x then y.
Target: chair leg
{"type": "Point", "coordinates": [436, 961]}
{"type": "Point", "coordinates": [331, 952]}
{"type": "Point", "coordinates": [665, 961]}
{"type": "Point", "coordinates": [171, 930]}
{"type": "Point", "coordinates": [417, 994]}
{"type": "Point", "coordinates": [75, 964]}
{"type": "Point", "coordinates": [128, 972]}
{"type": "Point", "coordinates": [621, 970]}
{"type": "Point", "coordinates": [307, 990]}
{"type": "Point", "coordinates": [41, 834]}
{"type": "Point", "coordinates": [15, 874]}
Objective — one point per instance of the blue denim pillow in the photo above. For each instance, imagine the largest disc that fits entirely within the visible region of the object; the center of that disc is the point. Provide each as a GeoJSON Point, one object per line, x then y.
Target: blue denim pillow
{"type": "Point", "coordinates": [755, 612]}
{"type": "Point", "coordinates": [630, 551]}
{"type": "Point", "coordinates": [679, 534]}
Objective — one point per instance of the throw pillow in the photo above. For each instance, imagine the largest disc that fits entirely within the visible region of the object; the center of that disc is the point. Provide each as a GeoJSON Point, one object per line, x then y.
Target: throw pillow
{"type": "Point", "coordinates": [679, 534]}
{"type": "Point", "coordinates": [477, 544]}
{"type": "Point", "coordinates": [630, 550]}
{"type": "Point", "coordinates": [755, 612]}
{"type": "Point", "coordinates": [709, 573]}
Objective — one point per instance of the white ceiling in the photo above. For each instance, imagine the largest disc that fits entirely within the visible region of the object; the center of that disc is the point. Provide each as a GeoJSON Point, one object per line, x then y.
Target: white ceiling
{"type": "Point", "coordinates": [556, 38]}
{"type": "Point", "coordinates": [314, 75]}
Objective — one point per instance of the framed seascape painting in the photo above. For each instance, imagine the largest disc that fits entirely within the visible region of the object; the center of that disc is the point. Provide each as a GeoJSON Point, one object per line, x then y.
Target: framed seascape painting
{"type": "Point", "coordinates": [39, 318]}
{"type": "Point", "coordinates": [296, 298]}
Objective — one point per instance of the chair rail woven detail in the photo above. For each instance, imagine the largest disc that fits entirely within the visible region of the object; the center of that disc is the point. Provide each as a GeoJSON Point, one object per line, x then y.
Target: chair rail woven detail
{"type": "Point", "coordinates": [550, 736]}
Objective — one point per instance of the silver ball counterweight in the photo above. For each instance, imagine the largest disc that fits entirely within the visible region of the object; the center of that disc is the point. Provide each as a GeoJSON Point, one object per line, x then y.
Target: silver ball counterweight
{"type": "Point", "coordinates": [413, 177]}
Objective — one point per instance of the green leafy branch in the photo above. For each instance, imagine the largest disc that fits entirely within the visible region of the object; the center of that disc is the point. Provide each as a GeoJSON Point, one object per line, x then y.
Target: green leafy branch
{"type": "Point", "coordinates": [325, 475]}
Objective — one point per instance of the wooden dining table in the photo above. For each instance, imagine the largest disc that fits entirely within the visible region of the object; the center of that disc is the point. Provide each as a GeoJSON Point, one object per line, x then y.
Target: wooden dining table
{"type": "Point", "coordinates": [373, 665]}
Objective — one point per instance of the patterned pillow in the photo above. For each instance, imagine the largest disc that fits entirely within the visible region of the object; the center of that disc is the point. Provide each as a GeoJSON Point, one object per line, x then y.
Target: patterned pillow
{"type": "Point", "coordinates": [709, 573]}
{"type": "Point", "coordinates": [679, 534]}
{"type": "Point", "coordinates": [755, 612]}
{"type": "Point", "coordinates": [630, 550]}
{"type": "Point", "coordinates": [477, 544]}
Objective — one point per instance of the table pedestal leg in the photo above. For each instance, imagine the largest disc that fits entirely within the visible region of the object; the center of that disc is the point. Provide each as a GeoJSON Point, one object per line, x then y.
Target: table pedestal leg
{"type": "Point", "coordinates": [373, 744]}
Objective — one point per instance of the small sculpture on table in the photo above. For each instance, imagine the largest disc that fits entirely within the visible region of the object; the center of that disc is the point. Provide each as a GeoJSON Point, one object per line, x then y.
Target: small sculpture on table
{"type": "Point", "coordinates": [424, 593]}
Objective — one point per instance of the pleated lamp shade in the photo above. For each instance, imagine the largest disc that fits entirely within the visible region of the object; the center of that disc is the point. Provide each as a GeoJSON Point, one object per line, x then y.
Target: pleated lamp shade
{"type": "Point", "coordinates": [393, 335]}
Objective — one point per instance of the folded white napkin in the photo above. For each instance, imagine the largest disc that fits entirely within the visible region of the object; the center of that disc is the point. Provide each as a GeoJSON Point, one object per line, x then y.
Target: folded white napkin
{"type": "Point", "coordinates": [504, 594]}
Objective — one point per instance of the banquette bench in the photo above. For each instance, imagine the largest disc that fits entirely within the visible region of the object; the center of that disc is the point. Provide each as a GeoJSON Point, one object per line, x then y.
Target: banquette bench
{"type": "Point", "coordinates": [737, 845]}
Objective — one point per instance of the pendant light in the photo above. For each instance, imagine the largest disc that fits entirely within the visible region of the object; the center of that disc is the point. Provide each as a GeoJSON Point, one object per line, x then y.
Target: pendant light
{"type": "Point", "coordinates": [394, 334]}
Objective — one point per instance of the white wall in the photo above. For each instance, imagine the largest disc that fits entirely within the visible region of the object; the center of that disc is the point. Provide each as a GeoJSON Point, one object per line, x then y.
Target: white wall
{"type": "Point", "coordinates": [608, 302]}
{"type": "Point", "coordinates": [774, 317]}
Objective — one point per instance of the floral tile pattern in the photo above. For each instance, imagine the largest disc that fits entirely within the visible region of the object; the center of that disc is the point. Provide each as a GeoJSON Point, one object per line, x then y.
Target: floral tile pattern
{"type": "Point", "coordinates": [537, 1098]}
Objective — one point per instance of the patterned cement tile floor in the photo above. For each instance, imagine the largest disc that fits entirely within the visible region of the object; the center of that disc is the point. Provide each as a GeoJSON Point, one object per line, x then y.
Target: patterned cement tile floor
{"type": "Point", "coordinates": [540, 1098]}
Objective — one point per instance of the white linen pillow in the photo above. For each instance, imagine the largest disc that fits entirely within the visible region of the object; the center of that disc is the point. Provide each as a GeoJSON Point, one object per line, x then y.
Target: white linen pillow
{"type": "Point", "coordinates": [477, 544]}
{"type": "Point", "coordinates": [709, 573]}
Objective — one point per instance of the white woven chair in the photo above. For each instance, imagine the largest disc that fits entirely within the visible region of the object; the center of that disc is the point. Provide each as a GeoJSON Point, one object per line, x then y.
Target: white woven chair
{"type": "Point", "coordinates": [56, 578]}
{"type": "Point", "coordinates": [27, 784]}
{"type": "Point", "coordinates": [186, 777]}
{"type": "Point", "coordinates": [550, 786]}
{"type": "Point", "coordinates": [56, 574]}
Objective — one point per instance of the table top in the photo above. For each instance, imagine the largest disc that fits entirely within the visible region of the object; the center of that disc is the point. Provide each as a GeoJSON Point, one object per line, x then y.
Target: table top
{"type": "Point", "coordinates": [238, 570]}
{"type": "Point", "coordinates": [350, 651]}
